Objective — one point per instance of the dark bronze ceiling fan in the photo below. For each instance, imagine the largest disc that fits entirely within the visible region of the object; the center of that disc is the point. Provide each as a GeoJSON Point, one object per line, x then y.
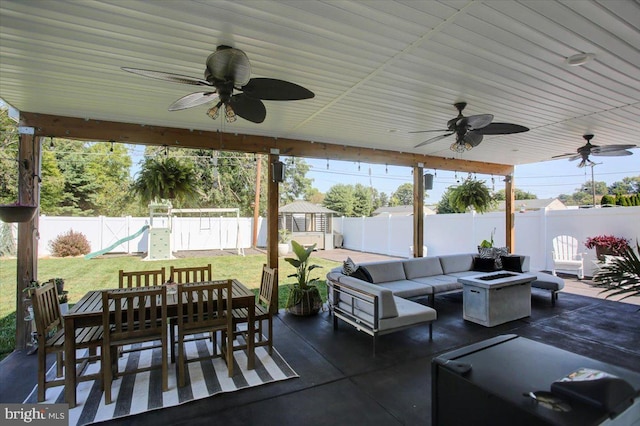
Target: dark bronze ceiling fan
{"type": "Point", "coordinates": [228, 71]}
{"type": "Point", "coordinates": [470, 130]}
{"type": "Point", "coordinates": [603, 151]}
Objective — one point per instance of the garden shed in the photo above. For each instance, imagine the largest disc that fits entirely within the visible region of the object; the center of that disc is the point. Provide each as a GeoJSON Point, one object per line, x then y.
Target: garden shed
{"type": "Point", "coordinates": [308, 223]}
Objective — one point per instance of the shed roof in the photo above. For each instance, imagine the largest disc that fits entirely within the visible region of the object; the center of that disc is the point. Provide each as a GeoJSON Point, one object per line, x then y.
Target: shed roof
{"type": "Point", "coordinates": [304, 207]}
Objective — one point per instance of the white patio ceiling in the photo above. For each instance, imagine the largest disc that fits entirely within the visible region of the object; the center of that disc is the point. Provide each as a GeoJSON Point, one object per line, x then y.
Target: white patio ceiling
{"type": "Point", "coordinates": [379, 69]}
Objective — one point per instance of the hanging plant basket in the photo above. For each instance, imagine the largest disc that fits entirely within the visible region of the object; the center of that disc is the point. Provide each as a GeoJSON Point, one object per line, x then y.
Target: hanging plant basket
{"type": "Point", "coordinates": [16, 213]}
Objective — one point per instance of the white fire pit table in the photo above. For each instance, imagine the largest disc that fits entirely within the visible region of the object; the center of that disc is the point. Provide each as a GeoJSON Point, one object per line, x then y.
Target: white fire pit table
{"type": "Point", "coordinates": [494, 298]}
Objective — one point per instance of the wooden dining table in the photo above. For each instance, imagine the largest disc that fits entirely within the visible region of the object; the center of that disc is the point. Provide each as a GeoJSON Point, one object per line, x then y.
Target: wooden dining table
{"type": "Point", "coordinates": [88, 312]}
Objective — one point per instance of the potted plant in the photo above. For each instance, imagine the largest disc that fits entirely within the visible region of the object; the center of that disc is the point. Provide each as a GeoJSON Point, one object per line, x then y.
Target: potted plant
{"type": "Point", "coordinates": [607, 245]}
{"type": "Point", "coordinates": [63, 299]}
{"type": "Point", "coordinates": [621, 276]}
{"type": "Point", "coordinates": [471, 193]}
{"type": "Point", "coordinates": [59, 282]}
{"type": "Point", "coordinates": [283, 241]}
{"type": "Point", "coordinates": [304, 297]}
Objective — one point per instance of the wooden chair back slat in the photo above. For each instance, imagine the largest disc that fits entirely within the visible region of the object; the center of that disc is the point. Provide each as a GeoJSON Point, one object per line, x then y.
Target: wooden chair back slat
{"type": "Point", "coordinates": [46, 311]}
{"type": "Point", "coordinates": [194, 274]}
{"type": "Point", "coordinates": [195, 307]}
{"type": "Point", "coordinates": [267, 286]}
{"type": "Point", "coordinates": [134, 279]}
{"type": "Point", "coordinates": [139, 313]}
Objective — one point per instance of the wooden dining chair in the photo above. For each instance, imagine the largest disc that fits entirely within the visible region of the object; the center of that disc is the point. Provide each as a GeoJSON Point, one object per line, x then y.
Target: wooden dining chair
{"type": "Point", "coordinates": [263, 312]}
{"type": "Point", "coordinates": [130, 316]}
{"type": "Point", "coordinates": [133, 279]}
{"type": "Point", "coordinates": [198, 313]}
{"type": "Point", "coordinates": [51, 337]}
{"type": "Point", "coordinates": [194, 274]}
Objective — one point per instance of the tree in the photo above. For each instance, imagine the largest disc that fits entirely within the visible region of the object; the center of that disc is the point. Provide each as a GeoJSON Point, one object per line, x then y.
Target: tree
{"type": "Point", "coordinates": [518, 193]}
{"type": "Point", "coordinates": [168, 179]}
{"type": "Point", "coordinates": [403, 196]}
{"type": "Point", "coordinates": [363, 201]}
{"type": "Point", "coordinates": [8, 159]}
{"type": "Point", "coordinates": [340, 198]}
{"type": "Point", "coordinates": [296, 185]}
{"type": "Point", "coordinates": [444, 206]}
{"type": "Point", "coordinates": [314, 196]}
{"type": "Point", "coordinates": [52, 187]}
{"type": "Point", "coordinates": [471, 193]}
{"type": "Point", "coordinates": [628, 185]}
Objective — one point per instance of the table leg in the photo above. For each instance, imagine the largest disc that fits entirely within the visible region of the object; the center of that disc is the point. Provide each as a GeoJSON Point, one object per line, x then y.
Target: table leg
{"type": "Point", "coordinates": [70, 361]}
{"type": "Point", "coordinates": [251, 335]}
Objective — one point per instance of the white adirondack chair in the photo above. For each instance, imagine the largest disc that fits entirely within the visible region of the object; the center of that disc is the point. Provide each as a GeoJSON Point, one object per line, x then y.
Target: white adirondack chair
{"type": "Point", "coordinates": [566, 255]}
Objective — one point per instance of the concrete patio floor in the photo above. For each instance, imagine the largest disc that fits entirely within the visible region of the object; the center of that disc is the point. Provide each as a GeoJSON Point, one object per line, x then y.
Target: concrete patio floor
{"type": "Point", "coordinates": [341, 383]}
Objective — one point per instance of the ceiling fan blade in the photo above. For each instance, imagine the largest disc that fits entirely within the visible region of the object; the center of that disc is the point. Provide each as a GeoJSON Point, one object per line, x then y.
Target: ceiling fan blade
{"type": "Point", "coordinates": [472, 138]}
{"type": "Point", "coordinates": [192, 100]}
{"type": "Point", "coordinates": [575, 157]}
{"type": "Point", "coordinates": [432, 140]}
{"type": "Point", "coordinates": [502, 129]}
{"type": "Point", "coordinates": [475, 122]}
{"type": "Point", "coordinates": [248, 108]}
{"type": "Point", "coordinates": [165, 76]}
{"type": "Point", "coordinates": [607, 148]}
{"type": "Point", "coordinates": [271, 89]}
{"type": "Point", "coordinates": [227, 64]}
{"type": "Point", "coordinates": [619, 153]}
{"type": "Point", "coordinates": [427, 131]}
{"type": "Point", "coordinates": [564, 155]}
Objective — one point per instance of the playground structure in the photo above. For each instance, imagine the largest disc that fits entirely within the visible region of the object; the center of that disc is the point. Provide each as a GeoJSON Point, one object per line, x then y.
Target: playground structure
{"type": "Point", "coordinates": [195, 230]}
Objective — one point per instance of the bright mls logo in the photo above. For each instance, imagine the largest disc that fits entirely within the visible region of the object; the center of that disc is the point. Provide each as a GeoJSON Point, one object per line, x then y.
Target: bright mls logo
{"type": "Point", "coordinates": [34, 414]}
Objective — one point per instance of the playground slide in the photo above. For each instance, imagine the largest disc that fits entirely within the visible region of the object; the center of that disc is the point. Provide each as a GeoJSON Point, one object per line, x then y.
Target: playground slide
{"type": "Point", "coordinates": [116, 244]}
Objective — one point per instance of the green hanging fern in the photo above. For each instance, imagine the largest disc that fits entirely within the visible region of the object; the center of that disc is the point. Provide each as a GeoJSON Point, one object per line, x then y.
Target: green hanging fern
{"type": "Point", "coordinates": [471, 193]}
{"type": "Point", "coordinates": [167, 179]}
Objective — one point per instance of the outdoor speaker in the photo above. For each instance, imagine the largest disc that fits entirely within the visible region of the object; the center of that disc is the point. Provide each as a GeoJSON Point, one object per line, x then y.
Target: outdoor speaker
{"type": "Point", "coordinates": [428, 181]}
{"type": "Point", "coordinates": [278, 171]}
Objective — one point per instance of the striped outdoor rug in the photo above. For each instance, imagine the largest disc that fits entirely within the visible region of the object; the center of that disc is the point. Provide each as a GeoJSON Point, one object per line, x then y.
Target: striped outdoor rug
{"type": "Point", "coordinates": [143, 391]}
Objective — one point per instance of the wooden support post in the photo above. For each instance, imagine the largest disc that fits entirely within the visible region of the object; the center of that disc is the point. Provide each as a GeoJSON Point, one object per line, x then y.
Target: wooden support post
{"type": "Point", "coordinates": [418, 211]}
{"type": "Point", "coordinates": [256, 202]}
{"type": "Point", "coordinates": [509, 192]}
{"type": "Point", "coordinates": [272, 225]}
{"type": "Point", "coordinates": [27, 262]}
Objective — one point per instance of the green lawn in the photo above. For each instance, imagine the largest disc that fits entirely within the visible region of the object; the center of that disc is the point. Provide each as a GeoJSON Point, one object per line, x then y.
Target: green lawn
{"type": "Point", "coordinates": [82, 275]}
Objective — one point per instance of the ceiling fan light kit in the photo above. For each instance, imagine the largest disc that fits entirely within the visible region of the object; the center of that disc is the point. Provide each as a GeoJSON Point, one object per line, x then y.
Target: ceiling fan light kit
{"type": "Point", "coordinates": [228, 71]}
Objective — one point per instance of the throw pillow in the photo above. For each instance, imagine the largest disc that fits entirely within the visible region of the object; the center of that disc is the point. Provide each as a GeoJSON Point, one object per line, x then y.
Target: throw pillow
{"type": "Point", "coordinates": [348, 266]}
{"type": "Point", "coordinates": [362, 274]}
{"type": "Point", "coordinates": [482, 264]}
{"type": "Point", "coordinates": [511, 263]}
{"type": "Point", "coordinates": [485, 252]}
{"type": "Point", "coordinates": [497, 253]}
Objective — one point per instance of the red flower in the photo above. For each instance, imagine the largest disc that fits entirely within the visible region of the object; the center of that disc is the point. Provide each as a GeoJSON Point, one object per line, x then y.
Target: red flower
{"type": "Point", "coordinates": [614, 244]}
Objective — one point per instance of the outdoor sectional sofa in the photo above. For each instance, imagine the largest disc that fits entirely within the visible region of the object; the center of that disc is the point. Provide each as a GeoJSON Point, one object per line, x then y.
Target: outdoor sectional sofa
{"type": "Point", "coordinates": [382, 306]}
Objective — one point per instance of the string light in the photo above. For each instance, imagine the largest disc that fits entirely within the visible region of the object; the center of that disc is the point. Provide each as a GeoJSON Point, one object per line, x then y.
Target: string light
{"type": "Point", "coordinates": [327, 164]}
{"type": "Point", "coordinates": [386, 169]}
{"type": "Point", "coordinates": [111, 149]}
{"type": "Point", "coordinates": [51, 142]}
{"type": "Point", "coordinates": [358, 166]}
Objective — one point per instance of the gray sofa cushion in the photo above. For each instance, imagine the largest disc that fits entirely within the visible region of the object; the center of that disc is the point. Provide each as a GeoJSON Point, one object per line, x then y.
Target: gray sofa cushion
{"type": "Point", "coordinates": [407, 288]}
{"type": "Point", "coordinates": [456, 262]}
{"type": "Point", "coordinates": [386, 271]}
{"type": "Point", "coordinates": [547, 281]}
{"type": "Point", "coordinates": [422, 267]}
{"type": "Point", "coordinates": [410, 313]}
{"type": "Point", "coordinates": [440, 283]}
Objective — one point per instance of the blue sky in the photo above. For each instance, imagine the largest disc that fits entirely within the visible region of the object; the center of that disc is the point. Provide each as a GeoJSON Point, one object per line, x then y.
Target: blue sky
{"type": "Point", "coordinates": [547, 180]}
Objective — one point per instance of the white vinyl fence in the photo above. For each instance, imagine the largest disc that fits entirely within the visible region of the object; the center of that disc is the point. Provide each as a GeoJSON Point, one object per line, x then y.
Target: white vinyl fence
{"type": "Point", "coordinates": [458, 233]}
{"type": "Point", "coordinates": [393, 236]}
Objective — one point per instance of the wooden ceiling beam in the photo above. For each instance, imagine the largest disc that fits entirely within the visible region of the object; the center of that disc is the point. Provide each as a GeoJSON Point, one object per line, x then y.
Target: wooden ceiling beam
{"type": "Point", "coordinates": [100, 130]}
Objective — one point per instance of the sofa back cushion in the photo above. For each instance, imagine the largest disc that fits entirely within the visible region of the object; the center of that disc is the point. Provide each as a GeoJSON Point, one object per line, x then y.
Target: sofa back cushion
{"type": "Point", "coordinates": [386, 302]}
{"type": "Point", "coordinates": [456, 262]}
{"type": "Point", "coordinates": [382, 272]}
{"type": "Point", "coordinates": [422, 267]}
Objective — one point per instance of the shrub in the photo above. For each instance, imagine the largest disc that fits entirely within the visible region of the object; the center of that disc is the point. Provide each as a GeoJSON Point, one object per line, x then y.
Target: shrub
{"type": "Point", "coordinates": [70, 244]}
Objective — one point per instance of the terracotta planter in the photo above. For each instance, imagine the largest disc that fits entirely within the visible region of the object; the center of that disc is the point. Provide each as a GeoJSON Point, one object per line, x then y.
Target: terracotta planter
{"type": "Point", "coordinates": [601, 251]}
{"type": "Point", "coordinates": [14, 213]}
